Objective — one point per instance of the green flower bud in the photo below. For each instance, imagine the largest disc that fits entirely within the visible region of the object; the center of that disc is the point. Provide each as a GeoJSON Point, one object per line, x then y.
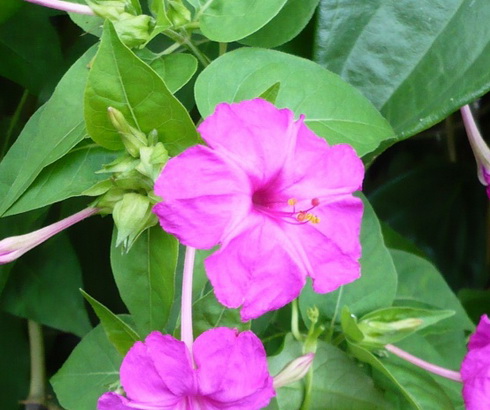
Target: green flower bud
{"type": "Point", "coordinates": [152, 160]}
{"type": "Point", "coordinates": [124, 163]}
{"type": "Point", "coordinates": [177, 13]}
{"type": "Point", "coordinates": [132, 138]}
{"type": "Point", "coordinates": [132, 215]}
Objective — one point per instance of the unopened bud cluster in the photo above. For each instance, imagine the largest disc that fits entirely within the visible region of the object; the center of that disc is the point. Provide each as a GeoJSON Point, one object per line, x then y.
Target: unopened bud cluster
{"type": "Point", "coordinates": [128, 192]}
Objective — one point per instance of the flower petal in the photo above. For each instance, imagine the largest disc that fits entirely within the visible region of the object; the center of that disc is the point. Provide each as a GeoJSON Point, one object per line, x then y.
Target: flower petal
{"type": "Point", "coordinates": [317, 170]}
{"type": "Point", "coordinates": [232, 369]}
{"type": "Point", "coordinates": [254, 134]}
{"type": "Point", "coordinates": [256, 268]}
{"type": "Point", "coordinates": [475, 372]}
{"type": "Point", "coordinates": [203, 197]}
{"type": "Point", "coordinates": [140, 371]}
{"type": "Point", "coordinates": [172, 362]}
{"type": "Point", "coordinates": [481, 337]}
{"type": "Point", "coordinates": [113, 401]}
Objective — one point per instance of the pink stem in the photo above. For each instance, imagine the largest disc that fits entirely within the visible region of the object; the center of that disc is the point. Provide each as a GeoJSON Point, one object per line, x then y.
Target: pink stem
{"type": "Point", "coordinates": [441, 371]}
{"type": "Point", "coordinates": [65, 6]}
{"type": "Point", "coordinates": [186, 306]}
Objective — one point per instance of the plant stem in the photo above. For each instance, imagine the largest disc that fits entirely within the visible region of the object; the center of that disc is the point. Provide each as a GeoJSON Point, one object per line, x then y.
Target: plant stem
{"type": "Point", "coordinates": [186, 334]}
{"type": "Point", "coordinates": [308, 388]}
{"type": "Point", "coordinates": [441, 371]}
{"type": "Point", "coordinates": [13, 122]}
{"type": "Point", "coordinates": [335, 313]}
{"type": "Point", "coordinates": [294, 320]}
{"type": "Point", "coordinates": [37, 393]}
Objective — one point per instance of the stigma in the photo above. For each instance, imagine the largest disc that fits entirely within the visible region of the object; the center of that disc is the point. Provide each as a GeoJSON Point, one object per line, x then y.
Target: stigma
{"type": "Point", "coordinates": [304, 216]}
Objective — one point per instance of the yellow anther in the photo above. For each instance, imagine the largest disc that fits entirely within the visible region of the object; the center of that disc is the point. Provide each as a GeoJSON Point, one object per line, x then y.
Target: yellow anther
{"type": "Point", "coordinates": [292, 201]}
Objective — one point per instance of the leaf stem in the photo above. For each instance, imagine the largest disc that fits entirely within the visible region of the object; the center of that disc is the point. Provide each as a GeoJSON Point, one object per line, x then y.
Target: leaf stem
{"type": "Point", "coordinates": [186, 333]}
{"type": "Point", "coordinates": [441, 371]}
{"type": "Point", "coordinates": [37, 388]}
{"type": "Point", "coordinates": [308, 388]}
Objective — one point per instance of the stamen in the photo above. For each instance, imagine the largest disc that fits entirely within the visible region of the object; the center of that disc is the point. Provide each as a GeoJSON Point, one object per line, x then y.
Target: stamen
{"type": "Point", "coordinates": [292, 201]}
{"type": "Point", "coordinates": [315, 202]}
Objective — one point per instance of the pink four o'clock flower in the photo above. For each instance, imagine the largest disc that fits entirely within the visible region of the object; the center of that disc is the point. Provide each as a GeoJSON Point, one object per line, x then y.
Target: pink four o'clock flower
{"type": "Point", "coordinates": [475, 369]}
{"type": "Point", "coordinates": [230, 373]}
{"type": "Point", "coordinates": [275, 196]}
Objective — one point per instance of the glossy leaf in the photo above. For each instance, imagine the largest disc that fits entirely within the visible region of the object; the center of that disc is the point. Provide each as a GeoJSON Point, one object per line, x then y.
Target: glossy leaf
{"type": "Point", "coordinates": [286, 25]}
{"type": "Point", "coordinates": [91, 370]}
{"type": "Point", "coordinates": [32, 61]}
{"type": "Point", "coordinates": [50, 133]}
{"type": "Point", "coordinates": [375, 289]}
{"type": "Point", "coordinates": [226, 21]}
{"type": "Point", "coordinates": [121, 80]}
{"type": "Point", "coordinates": [333, 109]}
{"type": "Point", "coordinates": [421, 391]}
{"type": "Point", "coordinates": [174, 69]}
{"type": "Point", "coordinates": [66, 178]}
{"type": "Point", "coordinates": [120, 334]}
{"type": "Point", "coordinates": [337, 381]}
{"type": "Point", "coordinates": [209, 313]}
{"type": "Point", "coordinates": [43, 286]}
{"type": "Point", "coordinates": [420, 281]}
{"type": "Point", "coordinates": [417, 62]}
{"type": "Point", "coordinates": [145, 278]}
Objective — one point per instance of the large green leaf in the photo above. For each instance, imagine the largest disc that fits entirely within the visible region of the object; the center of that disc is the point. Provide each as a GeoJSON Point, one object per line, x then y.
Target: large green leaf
{"type": "Point", "coordinates": [416, 61]}
{"type": "Point", "coordinates": [227, 21]}
{"type": "Point", "coordinates": [419, 389]}
{"type": "Point", "coordinates": [32, 61]}
{"type": "Point", "coordinates": [374, 290]}
{"type": "Point", "coordinates": [334, 110]}
{"type": "Point", "coordinates": [66, 178]}
{"type": "Point", "coordinates": [419, 281]}
{"type": "Point", "coordinates": [50, 133]}
{"type": "Point", "coordinates": [120, 334]}
{"type": "Point", "coordinates": [286, 25]}
{"type": "Point", "coordinates": [91, 370]}
{"type": "Point", "coordinates": [121, 80]}
{"type": "Point", "coordinates": [44, 280]}
{"type": "Point", "coordinates": [145, 277]}
{"type": "Point", "coordinates": [338, 383]}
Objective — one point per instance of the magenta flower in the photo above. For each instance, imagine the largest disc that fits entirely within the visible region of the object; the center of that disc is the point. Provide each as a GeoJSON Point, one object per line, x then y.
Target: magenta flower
{"type": "Point", "coordinates": [230, 373]}
{"type": "Point", "coordinates": [475, 369]}
{"type": "Point", "coordinates": [275, 196]}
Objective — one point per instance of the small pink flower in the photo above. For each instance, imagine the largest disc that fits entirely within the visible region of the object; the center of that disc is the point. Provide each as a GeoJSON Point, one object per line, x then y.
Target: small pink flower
{"type": "Point", "coordinates": [475, 369]}
{"type": "Point", "coordinates": [275, 196]}
{"type": "Point", "coordinates": [230, 373]}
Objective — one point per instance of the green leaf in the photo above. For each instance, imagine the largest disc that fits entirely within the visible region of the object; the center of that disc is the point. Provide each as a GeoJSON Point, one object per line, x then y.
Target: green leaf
{"type": "Point", "coordinates": [350, 327]}
{"type": "Point", "coordinates": [44, 280]}
{"type": "Point", "coordinates": [333, 109]}
{"type": "Point", "coordinates": [401, 55]}
{"type": "Point", "coordinates": [338, 383]}
{"type": "Point", "coordinates": [91, 370]}
{"type": "Point", "coordinates": [271, 93]}
{"type": "Point", "coordinates": [50, 133]}
{"type": "Point", "coordinates": [8, 8]}
{"type": "Point", "coordinates": [375, 289]}
{"type": "Point", "coordinates": [286, 25]}
{"type": "Point", "coordinates": [174, 69]}
{"type": "Point", "coordinates": [32, 61]}
{"type": "Point", "coordinates": [419, 281]}
{"type": "Point", "coordinates": [225, 21]}
{"type": "Point", "coordinates": [70, 176]}
{"type": "Point", "coordinates": [121, 335]}
{"type": "Point", "coordinates": [421, 391]}
{"type": "Point", "coordinates": [145, 277]}
{"type": "Point", "coordinates": [121, 80]}
{"type": "Point", "coordinates": [209, 313]}
{"type": "Point", "coordinates": [390, 325]}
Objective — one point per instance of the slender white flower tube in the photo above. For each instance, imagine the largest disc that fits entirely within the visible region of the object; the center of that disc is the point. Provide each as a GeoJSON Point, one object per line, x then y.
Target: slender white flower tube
{"type": "Point", "coordinates": [15, 246]}
{"type": "Point", "coordinates": [65, 6]}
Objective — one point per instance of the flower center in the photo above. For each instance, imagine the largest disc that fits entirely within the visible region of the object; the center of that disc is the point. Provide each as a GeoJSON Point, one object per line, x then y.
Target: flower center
{"type": "Point", "coordinates": [276, 209]}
